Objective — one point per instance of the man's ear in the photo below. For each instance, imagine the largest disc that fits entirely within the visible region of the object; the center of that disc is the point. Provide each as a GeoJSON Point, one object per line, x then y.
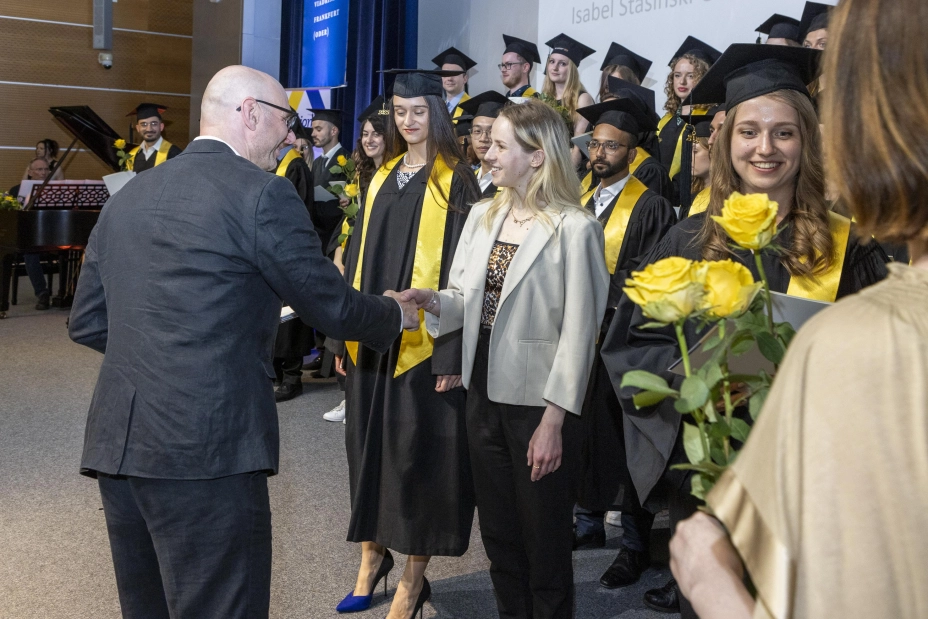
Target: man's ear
{"type": "Point", "coordinates": [632, 155]}
{"type": "Point", "coordinates": [250, 114]}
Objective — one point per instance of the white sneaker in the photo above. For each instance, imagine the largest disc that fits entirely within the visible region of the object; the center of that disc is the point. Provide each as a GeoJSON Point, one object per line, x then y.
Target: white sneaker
{"type": "Point", "coordinates": [614, 518]}
{"type": "Point", "coordinates": [336, 414]}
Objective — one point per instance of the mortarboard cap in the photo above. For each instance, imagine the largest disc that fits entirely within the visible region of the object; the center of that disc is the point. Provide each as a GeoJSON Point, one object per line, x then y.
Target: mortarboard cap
{"type": "Point", "coordinates": [746, 71]}
{"type": "Point", "coordinates": [572, 48]}
{"type": "Point", "coordinates": [702, 122]}
{"type": "Point", "coordinates": [302, 132]}
{"type": "Point", "coordinates": [487, 104]}
{"type": "Point", "coordinates": [332, 116]}
{"type": "Point", "coordinates": [695, 47]}
{"type": "Point", "coordinates": [814, 17]}
{"type": "Point", "coordinates": [526, 49]}
{"type": "Point", "coordinates": [411, 83]}
{"type": "Point", "coordinates": [621, 55]}
{"type": "Point", "coordinates": [456, 57]}
{"type": "Point", "coordinates": [378, 107]}
{"type": "Point", "coordinates": [463, 124]}
{"type": "Point", "coordinates": [147, 110]}
{"type": "Point", "coordinates": [642, 97]}
{"type": "Point", "coordinates": [623, 114]}
{"type": "Point", "coordinates": [781, 27]}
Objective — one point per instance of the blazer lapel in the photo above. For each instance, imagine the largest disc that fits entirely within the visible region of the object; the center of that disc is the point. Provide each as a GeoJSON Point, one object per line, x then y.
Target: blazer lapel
{"type": "Point", "coordinates": [534, 242]}
{"type": "Point", "coordinates": [480, 254]}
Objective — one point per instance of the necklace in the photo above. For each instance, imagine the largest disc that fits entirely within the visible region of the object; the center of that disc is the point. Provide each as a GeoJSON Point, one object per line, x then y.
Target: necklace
{"type": "Point", "coordinates": [409, 165]}
{"type": "Point", "coordinates": [521, 222]}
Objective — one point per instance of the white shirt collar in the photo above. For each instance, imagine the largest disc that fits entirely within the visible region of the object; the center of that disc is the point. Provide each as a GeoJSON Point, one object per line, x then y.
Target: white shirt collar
{"type": "Point", "coordinates": [154, 147]}
{"type": "Point", "coordinates": [213, 137]}
{"type": "Point", "coordinates": [327, 156]}
{"type": "Point", "coordinates": [605, 195]}
{"type": "Point", "coordinates": [453, 102]}
{"type": "Point", "coordinates": [483, 179]}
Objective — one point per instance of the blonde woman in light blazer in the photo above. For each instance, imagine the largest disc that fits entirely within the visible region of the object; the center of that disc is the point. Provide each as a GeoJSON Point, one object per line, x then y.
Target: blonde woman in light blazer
{"type": "Point", "coordinates": [528, 287]}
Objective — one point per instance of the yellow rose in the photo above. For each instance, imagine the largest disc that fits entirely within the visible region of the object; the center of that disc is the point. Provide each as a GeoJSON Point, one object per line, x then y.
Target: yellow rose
{"type": "Point", "coordinates": [351, 190]}
{"type": "Point", "coordinates": [342, 160]}
{"type": "Point", "coordinates": [730, 288]}
{"type": "Point", "coordinates": [750, 221]}
{"type": "Point", "coordinates": [667, 290]}
{"type": "Point", "coordinates": [119, 144]}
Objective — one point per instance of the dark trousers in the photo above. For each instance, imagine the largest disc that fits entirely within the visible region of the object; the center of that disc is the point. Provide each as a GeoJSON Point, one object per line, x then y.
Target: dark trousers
{"type": "Point", "coordinates": [526, 526]}
{"type": "Point", "coordinates": [198, 549]}
{"type": "Point", "coordinates": [36, 276]}
{"type": "Point", "coordinates": [636, 525]}
{"type": "Point", "coordinates": [289, 370]}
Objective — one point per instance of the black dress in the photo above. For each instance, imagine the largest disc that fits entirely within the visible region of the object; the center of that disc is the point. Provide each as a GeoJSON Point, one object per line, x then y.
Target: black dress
{"type": "Point", "coordinates": [651, 433]}
{"type": "Point", "coordinates": [408, 462]}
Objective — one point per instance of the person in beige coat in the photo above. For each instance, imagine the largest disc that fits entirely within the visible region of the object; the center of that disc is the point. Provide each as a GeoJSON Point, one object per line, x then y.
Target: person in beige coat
{"type": "Point", "coordinates": [528, 287]}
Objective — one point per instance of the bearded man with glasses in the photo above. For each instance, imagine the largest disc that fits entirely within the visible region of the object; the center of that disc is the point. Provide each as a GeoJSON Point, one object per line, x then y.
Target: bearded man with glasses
{"type": "Point", "coordinates": [154, 149]}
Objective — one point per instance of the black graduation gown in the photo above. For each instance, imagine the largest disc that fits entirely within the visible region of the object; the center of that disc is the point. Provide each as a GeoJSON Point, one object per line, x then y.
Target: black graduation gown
{"type": "Point", "coordinates": [294, 338]}
{"type": "Point", "coordinates": [655, 177]}
{"type": "Point", "coordinates": [651, 434]}
{"type": "Point", "coordinates": [327, 216]}
{"type": "Point", "coordinates": [603, 477]}
{"type": "Point", "coordinates": [140, 164]}
{"type": "Point", "coordinates": [667, 140]}
{"type": "Point", "coordinates": [408, 463]}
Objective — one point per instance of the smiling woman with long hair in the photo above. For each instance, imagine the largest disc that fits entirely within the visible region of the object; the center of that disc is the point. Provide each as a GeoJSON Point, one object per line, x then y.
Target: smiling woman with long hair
{"type": "Point", "coordinates": [408, 466]}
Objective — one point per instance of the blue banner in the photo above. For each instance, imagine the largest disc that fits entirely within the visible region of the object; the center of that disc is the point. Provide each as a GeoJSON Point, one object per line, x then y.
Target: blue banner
{"type": "Point", "coordinates": [325, 43]}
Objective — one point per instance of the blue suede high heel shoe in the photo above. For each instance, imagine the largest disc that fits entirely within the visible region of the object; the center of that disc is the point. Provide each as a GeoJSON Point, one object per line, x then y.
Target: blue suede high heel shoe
{"type": "Point", "coordinates": [356, 603]}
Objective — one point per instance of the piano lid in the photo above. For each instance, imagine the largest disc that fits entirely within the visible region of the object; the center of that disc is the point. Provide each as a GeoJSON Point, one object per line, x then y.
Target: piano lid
{"type": "Point", "coordinates": [92, 131]}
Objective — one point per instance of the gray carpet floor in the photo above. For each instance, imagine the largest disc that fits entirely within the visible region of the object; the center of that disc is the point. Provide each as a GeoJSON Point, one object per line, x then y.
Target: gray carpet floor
{"type": "Point", "coordinates": [54, 554]}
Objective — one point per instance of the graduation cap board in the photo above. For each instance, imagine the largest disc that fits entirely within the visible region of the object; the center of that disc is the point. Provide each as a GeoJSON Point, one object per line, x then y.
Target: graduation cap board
{"type": "Point", "coordinates": [781, 27]}
{"type": "Point", "coordinates": [746, 71]}
{"type": "Point", "coordinates": [464, 124]}
{"type": "Point", "coordinates": [411, 83]}
{"type": "Point", "coordinates": [456, 57]}
{"type": "Point", "coordinates": [695, 47]}
{"type": "Point", "coordinates": [332, 116]}
{"type": "Point", "coordinates": [621, 55]}
{"type": "Point", "coordinates": [147, 110]}
{"type": "Point", "coordinates": [643, 97]}
{"type": "Point", "coordinates": [572, 48]}
{"type": "Point", "coordinates": [623, 114]}
{"type": "Point", "coordinates": [487, 104]}
{"type": "Point", "coordinates": [378, 107]}
{"type": "Point", "coordinates": [814, 17]}
{"type": "Point", "coordinates": [794, 310]}
{"type": "Point", "coordinates": [526, 49]}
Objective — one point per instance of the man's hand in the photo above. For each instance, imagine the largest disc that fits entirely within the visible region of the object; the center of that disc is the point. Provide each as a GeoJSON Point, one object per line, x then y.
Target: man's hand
{"type": "Point", "coordinates": [425, 298]}
{"type": "Point", "coordinates": [447, 382]}
{"type": "Point", "coordinates": [410, 310]}
{"type": "Point", "coordinates": [339, 367]}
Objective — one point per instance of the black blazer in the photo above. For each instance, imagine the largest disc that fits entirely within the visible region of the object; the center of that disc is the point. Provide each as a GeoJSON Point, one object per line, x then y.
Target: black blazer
{"type": "Point", "coordinates": [181, 289]}
{"type": "Point", "coordinates": [327, 216]}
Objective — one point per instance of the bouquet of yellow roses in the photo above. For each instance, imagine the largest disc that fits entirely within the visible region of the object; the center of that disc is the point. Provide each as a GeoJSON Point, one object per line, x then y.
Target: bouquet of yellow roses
{"type": "Point", "coordinates": [722, 293]}
{"type": "Point", "coordinates": [349, 190]}
{"type": "Point", "coordinates": [125, 159]}
{"type": "Point", "coordinates": [9, 202]}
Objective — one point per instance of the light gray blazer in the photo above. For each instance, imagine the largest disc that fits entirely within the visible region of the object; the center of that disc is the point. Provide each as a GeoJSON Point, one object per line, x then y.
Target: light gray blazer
{"type": "Point", "coordinates": [549, 313]}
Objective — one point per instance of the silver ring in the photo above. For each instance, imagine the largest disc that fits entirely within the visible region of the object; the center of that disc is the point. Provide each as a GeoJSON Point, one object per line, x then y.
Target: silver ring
{"type": "Point", "coordinates": [536, 467]}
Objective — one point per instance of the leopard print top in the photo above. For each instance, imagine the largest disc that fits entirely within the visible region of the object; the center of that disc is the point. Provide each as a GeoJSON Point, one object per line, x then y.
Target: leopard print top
{"type": "Point", "coordinates": [497, 266]}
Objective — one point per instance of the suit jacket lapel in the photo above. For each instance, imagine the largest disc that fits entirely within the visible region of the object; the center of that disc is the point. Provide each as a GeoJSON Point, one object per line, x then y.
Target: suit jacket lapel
{"type": "Point", "coordinates": [480, 254]}
{"type": "Point", "coordinates": [534, 242]}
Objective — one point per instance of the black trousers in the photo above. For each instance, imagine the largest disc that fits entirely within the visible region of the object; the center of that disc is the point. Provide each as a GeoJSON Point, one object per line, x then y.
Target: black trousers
{"type": "Point", "coordinates": [526, 526]}
{"type": "Point", "coordinates": [289, 370]}
{"type": "Point", "coordinates": [197, 549]}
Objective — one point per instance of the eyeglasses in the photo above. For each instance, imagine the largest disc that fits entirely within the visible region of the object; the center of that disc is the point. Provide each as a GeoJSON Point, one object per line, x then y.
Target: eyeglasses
{"type": "Point", "coordinates": [479, 133]}
{"type": "Point", "coordinates": [507, 66]}
{"type": "Point", "coordinates": [610, 146]}
{"type": "Point", "coordinates": [292, 119]}
{"type": "Point", "coordinates": [152, 124]}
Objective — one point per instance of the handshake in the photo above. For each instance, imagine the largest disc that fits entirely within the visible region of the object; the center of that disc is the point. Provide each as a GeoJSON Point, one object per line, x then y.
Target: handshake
{"type": "Point", "coordinates": [413, 300]}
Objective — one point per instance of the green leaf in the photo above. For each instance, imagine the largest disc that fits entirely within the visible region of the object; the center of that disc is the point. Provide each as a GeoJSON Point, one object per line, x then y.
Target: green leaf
{"type": "Point", "coordinates": [341, 238]}
{"type": "Point", "coordinates": [743, 342]}
{"type": "Point", "coordinates": [694, 391]}
{"type": "Point", "coordinates": [653, 325]}
{"type": "Point", "coordinates": [351, 210]}
{"type": "Point", "coordinates": [684, 406]}
{"type": "Point", "coordinates": [712, 342]}
{"type": "Point", "coordinates": [770, 347]}
{"type": "Point", "coordinates": [719, 430]}
{"type": "Point", "coordinates": [756, 403]}
{"type": "Point", "coordinates": [697, 487]}
{"type": "Point", "coordinates": [711, 373]}
{"type": "Point", "coordinates": [646, 381]}
{"type": "Point", "coordinates": [740, 429]}
{"type": "Point", "coordinates": [786, 332]}
{"type": "Point", "coordinates": [336, 169]}
{"type": "Point", "coordinates": [718, 456]}
{"type": "Point", "coordinates": [648, 398]}
{"type": "Point", "coordinates": [692, 443]}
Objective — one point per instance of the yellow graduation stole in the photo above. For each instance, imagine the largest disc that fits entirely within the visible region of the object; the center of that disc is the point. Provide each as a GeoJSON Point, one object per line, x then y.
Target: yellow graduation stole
{"type": "Point", "coordinates": [678, 151]}
{"type": "Point", "coordinates": [160, 157]}
{"type": "Point", "coordinates": [529, 92]}
{"type": "Point", "coordinates": [700, 203]}
{"type": "Point", "coordinates": [457, 109]}
{"type": "Point", "coordinates": [618, 220]}
{"type": "Point", "coordinates": [416, 346]}
{"type": "Point", "coordinates": [586, 185]}
{"type": "Point", "coordinates": [824, 287]}
{"type": "Point", "coordinates": [285, 162]}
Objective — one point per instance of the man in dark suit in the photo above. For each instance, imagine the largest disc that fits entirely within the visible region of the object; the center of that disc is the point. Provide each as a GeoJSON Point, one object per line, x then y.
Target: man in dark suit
{"type": "Point", "coordinates": [327, 216]}
{"type": "Point", "coordinates": [181, 289]}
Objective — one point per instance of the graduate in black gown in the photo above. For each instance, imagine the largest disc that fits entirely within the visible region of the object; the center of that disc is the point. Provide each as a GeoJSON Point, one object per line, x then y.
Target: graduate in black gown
{"type": "Point", "coordinates": [154, 149]}
{"type": "Point", "coordinates": [634, 219]}
{"type": "Point", "coordinates": [770, 143]}
{"type": "Point", "coordinates": [409, 470]}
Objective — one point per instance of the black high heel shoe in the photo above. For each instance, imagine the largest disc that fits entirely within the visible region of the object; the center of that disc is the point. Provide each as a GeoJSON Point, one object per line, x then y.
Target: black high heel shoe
{"type": "Point", "coordinates": [356, 603]}
{"type": "Point", "coordinates": [424, 595]}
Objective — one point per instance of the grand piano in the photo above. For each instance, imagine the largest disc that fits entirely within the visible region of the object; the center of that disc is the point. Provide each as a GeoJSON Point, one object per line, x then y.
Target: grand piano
{"type": "Point", "coordinates": [59, 218]}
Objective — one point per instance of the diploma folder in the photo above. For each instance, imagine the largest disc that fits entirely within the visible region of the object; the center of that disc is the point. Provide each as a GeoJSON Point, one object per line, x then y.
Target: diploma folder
{"type": "Point", "coordinates": [794, 310]}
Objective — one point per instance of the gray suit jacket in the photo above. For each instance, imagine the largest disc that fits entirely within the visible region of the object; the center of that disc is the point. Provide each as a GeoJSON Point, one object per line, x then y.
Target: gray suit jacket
{"type": "Point", "coordinates": [549, 312]}
{"type": "Point", "coordinates": [181, 289]}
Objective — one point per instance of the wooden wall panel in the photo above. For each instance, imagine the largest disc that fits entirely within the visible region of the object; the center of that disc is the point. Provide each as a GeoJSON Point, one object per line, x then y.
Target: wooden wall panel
{"type": "Point", "coordinates": [169, 16]}
{"type": "Point", "coordinates": [217, 44]}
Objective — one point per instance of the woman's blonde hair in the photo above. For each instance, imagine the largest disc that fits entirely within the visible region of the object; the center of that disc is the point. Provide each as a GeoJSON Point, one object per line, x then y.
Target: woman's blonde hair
{"type": "Point", "coordinates": [812, 250]}
{"type": "Point", "coordinates": [572, 88]}
{"type": "Point", "coordinates": [875, 109]}
{"type": "Point", "coordinates": [700, 68]}
{"type": "Point", "coordinates": [554, 188]}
